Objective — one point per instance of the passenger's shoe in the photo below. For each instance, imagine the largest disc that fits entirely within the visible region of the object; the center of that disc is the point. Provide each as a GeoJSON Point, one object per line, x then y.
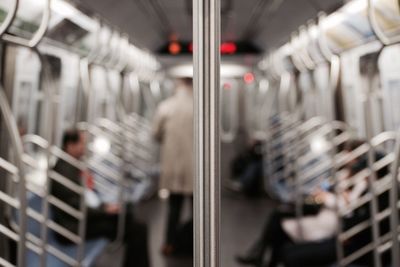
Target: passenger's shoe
{"type": "Point", "coordinates": [249, 260]}
{"type": "Point", "coordinates": [168, 250]}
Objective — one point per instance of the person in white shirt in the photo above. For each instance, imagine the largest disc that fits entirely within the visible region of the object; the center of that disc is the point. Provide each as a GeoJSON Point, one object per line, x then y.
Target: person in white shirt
{"type": "Point", "coordinates": [283, 227]}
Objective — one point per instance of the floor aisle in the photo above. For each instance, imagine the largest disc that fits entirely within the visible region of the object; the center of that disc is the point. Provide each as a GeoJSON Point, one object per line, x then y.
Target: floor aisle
{"type": "Point", "coordinates": [241, 222]}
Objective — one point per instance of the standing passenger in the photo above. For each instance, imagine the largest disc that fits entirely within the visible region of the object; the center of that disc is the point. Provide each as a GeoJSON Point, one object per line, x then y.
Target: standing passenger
{"type": "Point", "coordinates": [173, 128]}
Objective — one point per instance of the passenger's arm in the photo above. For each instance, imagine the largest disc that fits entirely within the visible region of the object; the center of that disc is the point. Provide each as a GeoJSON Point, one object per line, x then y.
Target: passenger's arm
{"type": "Point", "coordinates": [158, 125]}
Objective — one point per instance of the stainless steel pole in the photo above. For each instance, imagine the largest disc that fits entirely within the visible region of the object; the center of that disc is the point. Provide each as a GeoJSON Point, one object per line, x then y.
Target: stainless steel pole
{"type": "Point", "coordinates": [206, 33]}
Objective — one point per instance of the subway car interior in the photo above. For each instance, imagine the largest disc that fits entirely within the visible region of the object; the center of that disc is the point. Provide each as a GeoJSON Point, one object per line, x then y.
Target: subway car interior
{"type": "Point", "coordinates": [199, 133]}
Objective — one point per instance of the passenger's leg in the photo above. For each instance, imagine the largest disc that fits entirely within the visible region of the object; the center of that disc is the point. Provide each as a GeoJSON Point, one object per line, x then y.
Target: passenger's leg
{"type": "Point", "coordinates": [105, 225]}
{"type": "Point", "coordinates": [137, 253]}
{"type": "Point", "coordinates": [310, 254]}
{"type": "Point", "coordinates": [175, 203]}
{"type": "Point", "coordinates": [101, 224]}
{"type": "Point", "coordinates": [272, 235]}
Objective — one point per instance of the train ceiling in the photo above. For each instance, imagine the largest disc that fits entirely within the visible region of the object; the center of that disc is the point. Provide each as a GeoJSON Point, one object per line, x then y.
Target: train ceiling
{"type": "Point", "coordinates": [264, 23]}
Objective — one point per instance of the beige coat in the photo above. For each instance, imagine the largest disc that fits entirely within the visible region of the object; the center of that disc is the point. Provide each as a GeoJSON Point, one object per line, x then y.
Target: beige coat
{"type": "Point", "coordinates": [173, 128]}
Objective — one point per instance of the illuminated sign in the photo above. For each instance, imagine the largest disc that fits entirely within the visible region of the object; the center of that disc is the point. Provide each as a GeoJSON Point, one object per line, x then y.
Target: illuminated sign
{"type": "Point", "coordinates": [176, 48]}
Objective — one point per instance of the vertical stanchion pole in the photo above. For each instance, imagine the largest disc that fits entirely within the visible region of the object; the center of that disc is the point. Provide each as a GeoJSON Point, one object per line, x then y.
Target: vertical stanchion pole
{"type": "Point", "coordinates": [394, 200]}
{"type": "Point", "coordinates": [374, 207]}
{"type": "Point", "coordinates": [206, 33]}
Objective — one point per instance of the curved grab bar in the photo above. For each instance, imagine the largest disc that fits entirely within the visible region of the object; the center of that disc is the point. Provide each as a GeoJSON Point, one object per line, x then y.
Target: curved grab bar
{"type": "Point", "coordinates": [379, 33]}
{"type": "Point", "coordinates": [16, 142]}
{"type": "Point", "coordinates": [112, 58]}
{"type": "Point", "coordinates": [284, 87]}
{"type": "Point", "coordinates": [304, 54]}
{"type": "Point", "coordinates": [134, 85]}
{"type": "Point", "coordinates": [334, 79]}
{"type": "Point", "coordinates": [297, 62]}
{"type": "Point", "coordinates": [101, 51]}
{"type": "Point", "coordinates": [93, 53]}
{"type": "Point", "coordinates": [327, 53]}
{"type": "Point", "coordinates": [394, 198]}
{"type": "Point", "coordinates": [314, 55]}
{"type": "Point", "coordinates": [37, 36]}
{"type": "Point", "coordinates": [10, 18]}
{"type": "Point", "coordinates": [123, 62]}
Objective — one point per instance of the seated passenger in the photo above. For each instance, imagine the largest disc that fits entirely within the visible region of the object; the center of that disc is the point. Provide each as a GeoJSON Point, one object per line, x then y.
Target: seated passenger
{"type": "Point", "coordinates": [247, 169]}
{"type": "Point", "coordinates": [102, 222]}
{"type": "Point", "coordinates": [282, 228]}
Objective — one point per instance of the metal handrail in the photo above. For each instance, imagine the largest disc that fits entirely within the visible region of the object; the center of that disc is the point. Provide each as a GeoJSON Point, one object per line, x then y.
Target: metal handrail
{"type": "Point", "coordinates": [394, 196]}
{"type": "Point", "coordinates": [9, 18]}
{"type": "Point", "coordinates": [386, 182]}
{"type": "Point", "coordinates": [37, 36]}
{"type": "Point", "coordinates": [284, 90]}
{"type": "Point", "coordinates": [48, 199]}
{"type": "Point", "coordinates": [379, 33]}
{"type": "Point", "coordinates": [304, 54]}
{"type": "Point", "coordinates": [322, 41]}
{"type": "Point", "coordinates": [11, 126]}
{"type": "Point", "coordinates": [297, 62]}
{"type": "Point", "coordinates": [134, 86]}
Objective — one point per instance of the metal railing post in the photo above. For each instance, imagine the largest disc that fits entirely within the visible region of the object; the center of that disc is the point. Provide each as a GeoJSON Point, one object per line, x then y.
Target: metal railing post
{"type": "Point", "coordinates": [394, 199]}
{"type": "Point", "coordinates": [374, 208]}
{"type": "Point", "coordinates": [206, 31]}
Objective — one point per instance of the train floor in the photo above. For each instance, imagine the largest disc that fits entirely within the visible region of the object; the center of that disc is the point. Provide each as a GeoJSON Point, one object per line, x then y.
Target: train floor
{"type": "Point", "coordinates": [241, 222]}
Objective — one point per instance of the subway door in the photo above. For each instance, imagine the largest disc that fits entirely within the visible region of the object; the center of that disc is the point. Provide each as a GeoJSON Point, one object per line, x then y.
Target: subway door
{"type": "Point", "coordinates": [389, 69]}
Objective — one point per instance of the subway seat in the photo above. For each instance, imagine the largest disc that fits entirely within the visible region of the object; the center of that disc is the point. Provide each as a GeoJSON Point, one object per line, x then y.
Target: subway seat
{"type": "Point", "coordinates": [93, 248]}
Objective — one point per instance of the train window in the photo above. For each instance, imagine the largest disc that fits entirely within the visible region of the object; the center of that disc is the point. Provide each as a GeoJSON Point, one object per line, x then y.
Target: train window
{"type": "Point", "coordinates": [390, 81]}
{"type": "Point", "coordinates": [5, 7]}
{"type": "Point", "coordinates": [230, 91]}
{"type": "Point", "coordinates": [26, 92]}
{"type": "Point", "coordinates": [28, 19]}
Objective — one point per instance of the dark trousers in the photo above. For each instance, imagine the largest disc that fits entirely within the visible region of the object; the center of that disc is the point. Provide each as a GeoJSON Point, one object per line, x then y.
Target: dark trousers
{"type": "Point", "coordinates": [175, 204]}
{"type": "Point", "coordinates": [310, 254]}
{"type": "Point", "coordinates": [274, 237]}
{"type": "Point", "coordinates": [101, 224]}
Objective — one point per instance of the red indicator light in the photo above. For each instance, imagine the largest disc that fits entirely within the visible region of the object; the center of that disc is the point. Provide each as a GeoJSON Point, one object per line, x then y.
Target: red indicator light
{"type": "Point", "coordinates": [248, 78]}
{"type": "Point", "coordinates": [227, 86]}
{"type": "Point", "coordinates": [174, 48]}
{"type": "Point", "coordinates": [228, 48]}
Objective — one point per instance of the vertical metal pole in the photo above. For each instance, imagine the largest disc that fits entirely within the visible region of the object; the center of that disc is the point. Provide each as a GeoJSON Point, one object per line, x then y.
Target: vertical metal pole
{"type": "Point", "coordinates": [206, 31]}
{"type": "Point", "coordinates": [49, 105]}
{"type": "Point", "coordinates": [394, 200]}
{"type": "Point", "coordinates": [374, 208]}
